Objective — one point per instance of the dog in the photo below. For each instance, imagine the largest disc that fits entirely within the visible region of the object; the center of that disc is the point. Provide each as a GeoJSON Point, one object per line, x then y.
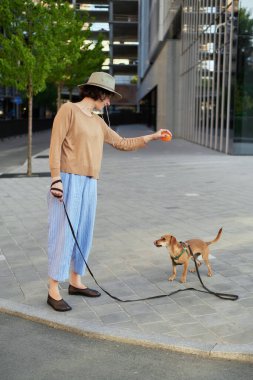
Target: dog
{"type": "Point", "coordinates": [180, 253]}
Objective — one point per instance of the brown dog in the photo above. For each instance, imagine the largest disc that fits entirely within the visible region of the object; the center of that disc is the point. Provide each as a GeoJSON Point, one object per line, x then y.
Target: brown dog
{"type": "Point", "coordinates": [180, 253]}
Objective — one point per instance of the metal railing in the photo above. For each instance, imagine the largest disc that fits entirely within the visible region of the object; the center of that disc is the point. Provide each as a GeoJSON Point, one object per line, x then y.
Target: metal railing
{"type": "Point", "coordinates": [207, 54]}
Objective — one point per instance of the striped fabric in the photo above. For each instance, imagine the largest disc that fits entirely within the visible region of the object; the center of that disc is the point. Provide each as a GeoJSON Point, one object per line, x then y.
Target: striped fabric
{"type": "Point", "coordinates": [80, 197]}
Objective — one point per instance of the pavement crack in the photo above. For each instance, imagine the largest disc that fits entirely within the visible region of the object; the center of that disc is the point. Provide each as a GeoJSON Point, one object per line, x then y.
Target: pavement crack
{"type": "Point", "coordinates": [211, 350]}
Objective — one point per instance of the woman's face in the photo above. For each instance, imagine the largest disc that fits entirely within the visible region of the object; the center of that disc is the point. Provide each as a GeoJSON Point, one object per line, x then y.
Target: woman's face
{"type": "Point", "coordinates": [100, 104]}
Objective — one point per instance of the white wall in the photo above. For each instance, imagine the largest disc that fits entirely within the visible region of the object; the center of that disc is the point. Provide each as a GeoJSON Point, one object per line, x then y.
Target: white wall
{"type": "Point", "coordinates": [164, 73]}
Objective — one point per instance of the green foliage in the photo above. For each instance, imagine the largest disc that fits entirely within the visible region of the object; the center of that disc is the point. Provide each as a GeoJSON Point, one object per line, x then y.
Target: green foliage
{"type": "Point", "coordinates": [45, 41]}
{"type": "Point", "coordinates": [245, 29]}
{"type": "Point", "coordinates": [243, 101]}
{"type": "Point", "coordinates": [47, 98]}
{"type": "Point", "coordinates": [70, 35]}
{"type": "Point", "coordinates": [245, 22]}
{"type": "Point", "coordinates": [134, 79]}
{"type": "Point", "coordinates": [38, 39]}
{"type": "Point", "coordinates": [244, 85]}
{"type": "Point", "coordinates": [91, 59]}
{"type": "Point", "coordinates": [27, 44]}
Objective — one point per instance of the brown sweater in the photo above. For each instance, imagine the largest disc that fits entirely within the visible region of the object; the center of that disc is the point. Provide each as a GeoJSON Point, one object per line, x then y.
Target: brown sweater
{"type": "Point", "coordinates": [77, 142]}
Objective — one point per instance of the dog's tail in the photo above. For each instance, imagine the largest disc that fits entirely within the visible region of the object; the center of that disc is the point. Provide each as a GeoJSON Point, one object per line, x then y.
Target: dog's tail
{"type": "Point", "coordinates": [216, 239]}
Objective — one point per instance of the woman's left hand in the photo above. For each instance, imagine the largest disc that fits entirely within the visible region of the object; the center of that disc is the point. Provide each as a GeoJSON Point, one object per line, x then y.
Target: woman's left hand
{"type": "Point", "coordinates": [157, 135]}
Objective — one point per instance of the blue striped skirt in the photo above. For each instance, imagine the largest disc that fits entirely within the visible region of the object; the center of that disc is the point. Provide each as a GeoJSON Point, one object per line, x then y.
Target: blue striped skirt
{"type": "Point", "coordinates": [80, 197]}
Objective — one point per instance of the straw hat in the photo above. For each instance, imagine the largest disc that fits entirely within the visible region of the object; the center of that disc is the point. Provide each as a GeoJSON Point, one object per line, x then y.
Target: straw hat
{"type": "Point", "coordinates": [103, 80]}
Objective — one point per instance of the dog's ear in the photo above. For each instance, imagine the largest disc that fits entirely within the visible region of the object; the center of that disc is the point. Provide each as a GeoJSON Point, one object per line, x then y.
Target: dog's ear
{"type": "Point", "coordinates": [173, 241]}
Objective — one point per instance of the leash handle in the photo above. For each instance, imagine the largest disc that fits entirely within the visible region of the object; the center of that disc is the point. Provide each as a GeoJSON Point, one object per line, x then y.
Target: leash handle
{"type": "Point", "coordinates": [224, 296]}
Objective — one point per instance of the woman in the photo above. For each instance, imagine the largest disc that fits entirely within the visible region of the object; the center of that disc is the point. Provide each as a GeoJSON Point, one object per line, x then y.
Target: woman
{"type": "Point", "coordinates": [76, 149]}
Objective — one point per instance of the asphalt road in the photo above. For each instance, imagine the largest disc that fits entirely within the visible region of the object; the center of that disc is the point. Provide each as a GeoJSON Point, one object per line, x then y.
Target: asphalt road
{"type": "Point", "coordinates": [31, 351]}
{"type": "Point", "coordinates": [13, 150]}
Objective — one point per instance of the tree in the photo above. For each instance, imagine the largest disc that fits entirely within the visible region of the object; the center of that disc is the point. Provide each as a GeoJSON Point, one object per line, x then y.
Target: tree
{"type": "Point", "coordinates": [26, 51]}
{"type": "Point", "coordinates": [245, 29]}
{"type": "Point", "coordinates": [70, 31]}
{"type": "Point", "coordinates": [46, 100]}
{"type": "Point", "coordinates": [34, 35]}
{"type": "Point", "coordinates": [91, 59]}
{"type": "Point", "coordinates": [244, 87]}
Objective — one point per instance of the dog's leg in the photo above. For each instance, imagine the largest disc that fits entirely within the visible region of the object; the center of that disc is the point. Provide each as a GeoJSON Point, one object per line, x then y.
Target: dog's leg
{"type": "Point", "coordinates": [184, 274]}
{"type": "Point", "coordinates": [210, 272]}
{"type": "Point", "coordinates": [205, 255]}
{"type": "Point", "coordinates": [174, 272]}
{"type": "Point", "coordinates": [198, 264]}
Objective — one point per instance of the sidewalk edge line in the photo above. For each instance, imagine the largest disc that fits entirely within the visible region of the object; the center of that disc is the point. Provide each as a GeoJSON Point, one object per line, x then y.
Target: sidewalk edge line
{"type": "Point", "coordinates": [215, 351]}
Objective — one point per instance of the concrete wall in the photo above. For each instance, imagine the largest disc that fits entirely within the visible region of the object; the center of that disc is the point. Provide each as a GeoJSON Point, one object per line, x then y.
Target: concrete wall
{"type": "Point", "coordinates": [165, 74]}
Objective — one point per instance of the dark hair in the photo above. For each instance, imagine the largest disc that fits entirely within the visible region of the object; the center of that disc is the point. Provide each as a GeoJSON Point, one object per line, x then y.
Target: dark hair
{"type": "Point", "coordinates": [94, 92]}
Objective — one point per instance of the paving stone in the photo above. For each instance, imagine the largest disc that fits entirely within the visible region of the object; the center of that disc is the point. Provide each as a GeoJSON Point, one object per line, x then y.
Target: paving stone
{"type": "Point", "coordinates": [128, 326]}
{"type": "Point", "coordinates": [222, 330]}
{"type": "Point", "coordinates": [84, 316]}
{"type": "Point", "coordinates": [200, 310]}
{"type": "Point", "coordinates": [124, 257]}
{"type": "Point", "coordinates": [246, 302]}
{"type": "Point", "coordinates": [114, 318]}
{"type": "Point", "coordinates": [9, 282]}
{"type": "Point", "coordinates": [206, 337]}
{"type": "Point", "coordinates": [4, 269]}
{"type": "Point", "coordinates": [189, 301]}
{"type": "Point", "coordinates": [244, 337]}
{"type": "Point", "coordinates": [160, 301]}
{"type": "Point", "coordinates": [23, 275]}
{"type": "Point", "coordinates": [10, 292]}
{"type": "Point", "coordinates": [102, 310]}
{"type": "Point", "coordinates": [158, 327]}
{"type": "Point", "coordinates": [137, 308]}
{"type": "Point", "coordinates": [142, 318]}
{"type": "Point", "coordinates": [168, 310]}
{"type": "Point", "coordinates": [188, 330]}
{"type": "Point", "coordinates": [213, 320]}
{"type": "Point", "coordinates": [243, 321]}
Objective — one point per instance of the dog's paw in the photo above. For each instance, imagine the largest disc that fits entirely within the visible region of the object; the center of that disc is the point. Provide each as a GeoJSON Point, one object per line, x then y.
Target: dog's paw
{"type": "Point", "coordinates": [171, 278]}
{"type": "Point", "coordinates": [183, 280]}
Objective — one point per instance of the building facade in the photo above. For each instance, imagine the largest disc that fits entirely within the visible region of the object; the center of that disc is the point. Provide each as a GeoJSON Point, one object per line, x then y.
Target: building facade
{"type": "Point", "coordinates": [117, 22]}
{"type": "Point", "coordinates": [196, 70]}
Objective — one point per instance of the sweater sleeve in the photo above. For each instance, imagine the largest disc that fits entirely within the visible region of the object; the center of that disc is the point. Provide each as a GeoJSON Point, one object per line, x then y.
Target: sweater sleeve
{"type": "Point", "coordinates": [122, 143]}
{"type": "Point", "coordinates": [59, 131]}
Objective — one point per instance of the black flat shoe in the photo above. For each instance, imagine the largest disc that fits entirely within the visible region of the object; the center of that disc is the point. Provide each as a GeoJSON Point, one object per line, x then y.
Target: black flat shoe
{"type": "Point", "coordinates": [83, 292]}
{"type": "Point", "coordinates": [60, 305]}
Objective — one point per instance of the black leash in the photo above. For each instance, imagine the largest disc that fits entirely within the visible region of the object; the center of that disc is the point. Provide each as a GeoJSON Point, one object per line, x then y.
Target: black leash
{"type": "Point", "coordinates": [224, 296]}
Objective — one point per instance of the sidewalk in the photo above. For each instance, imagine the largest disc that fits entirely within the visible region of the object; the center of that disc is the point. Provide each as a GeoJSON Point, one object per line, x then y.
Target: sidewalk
{"type": "Point", "coordinates": [179, 188]}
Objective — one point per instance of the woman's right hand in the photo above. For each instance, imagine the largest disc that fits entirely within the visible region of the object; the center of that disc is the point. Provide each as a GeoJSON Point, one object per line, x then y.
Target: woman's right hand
{"type": "Point", "coordinates": [56, 189]}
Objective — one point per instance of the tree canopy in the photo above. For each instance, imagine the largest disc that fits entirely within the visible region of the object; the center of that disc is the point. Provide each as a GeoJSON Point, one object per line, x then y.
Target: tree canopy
{"type": "Point", "coordinates": [38, 40]}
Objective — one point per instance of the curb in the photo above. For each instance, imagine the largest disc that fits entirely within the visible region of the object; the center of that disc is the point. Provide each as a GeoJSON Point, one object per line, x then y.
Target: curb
{"type": "Point", "coordinates": [79, 327]}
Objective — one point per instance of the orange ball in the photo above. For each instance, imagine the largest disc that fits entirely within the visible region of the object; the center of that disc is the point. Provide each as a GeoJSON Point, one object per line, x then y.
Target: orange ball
{"type": "Point", "coordinates": [166, 136]}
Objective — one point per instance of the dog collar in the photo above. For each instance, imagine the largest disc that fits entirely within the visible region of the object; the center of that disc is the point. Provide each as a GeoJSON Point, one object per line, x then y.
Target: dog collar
{"type": "Point", "coordinates": [180, 254]}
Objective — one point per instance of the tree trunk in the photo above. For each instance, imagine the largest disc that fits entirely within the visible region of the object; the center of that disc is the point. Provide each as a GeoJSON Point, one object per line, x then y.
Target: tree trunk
{"type": "Point", "coordinates": [59, 88]}
{"type": "Point", "coordinates": [30, 110]}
